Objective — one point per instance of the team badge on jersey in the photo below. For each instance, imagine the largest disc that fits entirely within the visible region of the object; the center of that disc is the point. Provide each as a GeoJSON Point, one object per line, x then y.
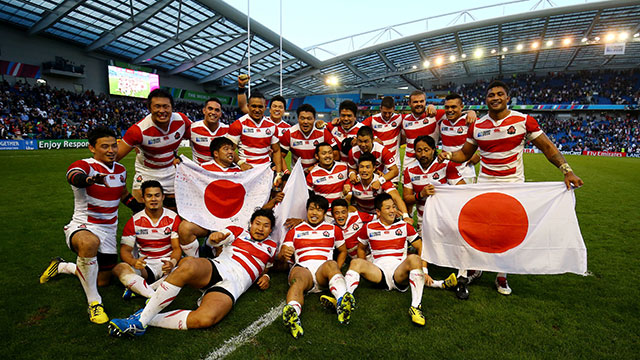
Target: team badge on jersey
{"type": "Point", "coordinates": [340, 176]}
{"type": "Point", "coordinates": [139, 178]}
{"type": "Point", "coordinates": [512, 130]}
{"type": "Point", "coordinates": [268, 131]}
{"type": "Point", "coordinates": [393, 124]}
{"type": "Point", "coordinates": [399, 232]}
{"type": "Point", "coordinates": [326, 234]}
{"type": "Point", "coordinates": [167, 230]}
{"type": "Point", "coordinates": [177, 136]}
{"type": "Point", "coordinates": [355, 227]}
{"type": "Point", "coordinates": [459, 131]}
{"type": "Point", "coordinates": [436, 176]}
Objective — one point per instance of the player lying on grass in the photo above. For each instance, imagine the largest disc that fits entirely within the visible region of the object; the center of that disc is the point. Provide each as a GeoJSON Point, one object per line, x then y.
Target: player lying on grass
{"type": "Point", "coordinates": [310, 245]}
{"type": "Point", "coordinates": [99, 184]}
{"type": "Point", "coordinates": [391, 267]}
{"type": "Point", "coordinates": [154, 231]}
{"type": "Point", "coordinates": [222, 280]}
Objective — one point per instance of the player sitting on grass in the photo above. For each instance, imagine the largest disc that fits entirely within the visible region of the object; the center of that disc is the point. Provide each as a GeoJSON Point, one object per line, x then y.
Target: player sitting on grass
{"type": "Point", "coordinates": [222, 280]}
{"type": "Point", "coordinates": [155, 233]}
{"type": "Point", "coordinates": [391, 268]}
{"type": "Point", "coordinates": [311, 245]}
{"type": "Point", "coordinates": [99, 184]}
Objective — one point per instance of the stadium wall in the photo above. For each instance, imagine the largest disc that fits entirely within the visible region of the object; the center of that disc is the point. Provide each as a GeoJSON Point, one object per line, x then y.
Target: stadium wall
{"type": "Point", "coordinates": [17, 45]}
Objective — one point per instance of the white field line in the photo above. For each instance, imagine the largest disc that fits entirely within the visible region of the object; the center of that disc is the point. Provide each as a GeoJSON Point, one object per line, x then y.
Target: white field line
{"type": "Point", "coordinates": [245, 335]}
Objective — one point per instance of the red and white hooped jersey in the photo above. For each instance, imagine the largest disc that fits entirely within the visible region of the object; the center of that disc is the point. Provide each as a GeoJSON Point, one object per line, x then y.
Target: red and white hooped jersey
{"type": "Point", "coordinates": [501, 145]}
{"type": "Point", "coordinates": [387, 131]}
{"type": "Point", "coordinates": [383, 156]}
{"type": "Point", "coordinates": [153, 240]}
{"type": "Point", "coordinates": [250, 255]}
{"type": "Point", "coordinates": [387, 241]}
{"type": "Point", "coordinates": [214, 166]}
{"type": "Point", "coordinates": [281, 125]}
{"type": "Point", "coordinates": [254, 140]}
{"type": "Point", "coordinates": [97, 203]}
{"type": "Point", "coordinates": [304, 146]}
{"type": "Point", "coordinates": [313, 242]}
{"type": "Point", "coordinates": [156, 145]}
{"type": "Point", "coordinates": [201, 138]}
{"type": "Point", "coordinates": [453, 134]}
{"type": "Point", "coordinates": [328, 183]}
{"type": "Point", "coordinates": [363, 196]}
{"type": "Point", "coordinates": [416, 178]}
{"type": "Point", "coordinates": [340, 134]}
{"type": "Point", "coordinates": [350, 230]}
{"type": "Point", "coordinates": [414, 127]}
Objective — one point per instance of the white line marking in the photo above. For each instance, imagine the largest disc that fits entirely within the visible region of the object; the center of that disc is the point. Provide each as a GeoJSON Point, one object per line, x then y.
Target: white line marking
{"type": "Point", "coordinates": [249, 332]}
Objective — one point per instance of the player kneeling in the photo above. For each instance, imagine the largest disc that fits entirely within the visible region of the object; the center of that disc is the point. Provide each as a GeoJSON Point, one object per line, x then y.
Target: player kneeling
{"type": "Point", "coordinates": [222, 280]}
{"type": "Point", "coordinates": [154, 231]}
{"type": "Point", "coordinates": [311, 244]}
{"type": "Point", "coordinates": [391, 268]}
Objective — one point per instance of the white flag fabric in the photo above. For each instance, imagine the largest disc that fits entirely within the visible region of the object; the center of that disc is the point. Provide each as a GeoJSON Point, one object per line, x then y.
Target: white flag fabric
{"type": "Point", "coordinates": [294, 203]}
{"type": "Point", "coordinates": [523, 228]}
{"type": "Point", "coordinates": [215, 200]}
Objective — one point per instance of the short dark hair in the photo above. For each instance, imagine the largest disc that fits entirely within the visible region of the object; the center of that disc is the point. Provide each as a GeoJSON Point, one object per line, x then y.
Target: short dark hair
{"type": "Point", "coordinates": [319, 200]}
{"type": "Point", "coordinates": [388, 102]}
{"type": "Point", "coordinates": [159, 93]}
{"type": "Point", "coordinates": [268, 213]}
{"type": "Point", "coordinates": [416, 93]}
{"type": "Point", "coordinates": [324, 143]}
{"type": "Point", "coordinates": [215, 100]}
{"type": "Point", "coordinates": [151, 184]}
{"type": "Point", "coordinates": [346, 145]}
{"type": "Point", "coordinates": [307, 108]}
{"type": "Point", "coordinates": [99, 132]}
{"type": "Point", "coordinates": [219, 142]}
{"type": "Point", "coordinates": [453, 96]}
{"type": "Point", "coordinates": [278, 98]}
{"type": "Point", "coordinates": [498, 83]}
{"type": "Point", "coordinates": [339, 202]}
{"type": "Point", "coordinates": [380, 198]}
{"type": "Point", "coordinates": [349, 105]}
{"type": "Point", "coordinates": [256, 95]}
{"type": "Point", "coordinates": [368, 157]}
{"type": "Point", "coordinates": [427, 139]}
{"type": "Point", "coordinates": [365, 131]}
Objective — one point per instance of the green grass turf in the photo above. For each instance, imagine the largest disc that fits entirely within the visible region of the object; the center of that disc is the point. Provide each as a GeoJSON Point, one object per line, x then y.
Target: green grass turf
{"type": "Point", "coordinates": [560, 316]}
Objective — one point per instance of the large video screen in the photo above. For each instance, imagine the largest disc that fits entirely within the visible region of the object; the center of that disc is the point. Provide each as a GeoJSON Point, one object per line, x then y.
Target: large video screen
{"type": "Point", "coordinates": [127, 82]}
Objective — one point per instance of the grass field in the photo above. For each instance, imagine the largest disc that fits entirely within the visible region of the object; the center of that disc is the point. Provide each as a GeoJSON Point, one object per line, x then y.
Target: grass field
{"type": "Point", "coordinates": [546, 317]}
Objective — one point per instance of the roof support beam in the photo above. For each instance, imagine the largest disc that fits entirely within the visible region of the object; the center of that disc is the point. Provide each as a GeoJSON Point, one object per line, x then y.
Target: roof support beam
{"type": "Point", "coordinates": [586, 34]}
{"type": "Point", "coordinates": [544, 33]}
{"type": "Point", "coordinates": [208, 55]}
{"type": "Point", "coordinates": [611, 57]}
{"type": "Point", "coordinates": [459, 45]}
{"type": "Point", "coordinates": [411, 82]}
{"type": "Point", "coordinates": [56, 14]}
{"type": "Point", "coordinates": [231, 68]}
{"type": "Point", "coordinates": [184, 36]}
{"type": "Point", "coordinates": [354, 69]}
{"type": "Point", "coordinates": [386, 61]}
{"type": "Point", "coordinates": [126, 26]}
{"type": "Point", "coordinates": [500, 49]}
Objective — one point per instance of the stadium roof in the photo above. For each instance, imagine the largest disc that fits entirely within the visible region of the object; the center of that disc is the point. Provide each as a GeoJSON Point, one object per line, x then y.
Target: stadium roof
{"type": "Point", "coordinates": [206, 40]}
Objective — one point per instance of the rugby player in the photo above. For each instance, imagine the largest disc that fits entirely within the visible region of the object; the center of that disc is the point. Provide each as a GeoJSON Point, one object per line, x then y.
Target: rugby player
{"type": "Point", "coordinates": [203, 131]}
{"type": "Point", "coordinates": [453, 133]}
{"type": "Point", "coordinates": [386, 162]}
{"type": "Point", "coordinates": [329, 177]}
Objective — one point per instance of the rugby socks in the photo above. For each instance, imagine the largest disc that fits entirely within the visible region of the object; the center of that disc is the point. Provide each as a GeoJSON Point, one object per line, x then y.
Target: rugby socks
{"type": "Point", "coordinates": [416, 282]}
{"type": "Point", "coordinates": [191, 249]}
{"type": "Point", "coordinates": [337, 286]}
{"type": "Point", "coordinates": [87, 270]}
{"type": "Point", "coordinates": [175, 320]}
{"type": "Point", "coordinates": [352, 278]}
{"type": "Point", "coordinates": [67, 268]}
{"type": "Point", "coordinates": [296, 306]}
{"type": "Point", "coordinates": [137, 284]}
{"type": "Point", "coordinates": [161, 298]}
{"type": "Point", "coordinates": [504, 275]}
{"type": "Point", "coordinates": [157, 283]}
{"type": "Point", "coordinates": [438, 284]}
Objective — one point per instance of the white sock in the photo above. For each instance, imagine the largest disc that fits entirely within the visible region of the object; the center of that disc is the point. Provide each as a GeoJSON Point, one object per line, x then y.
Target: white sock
{"type": "Point", "coordinates": [337, 286]}
{"type": "Point", "coordinates": [191, 249]}
{"type": "Point", "coordinates": [504, 275]}
{"type": "Point", "coordinates": [67, 268]}
{"type": "Point", "coordinates": [463, 273]}
{"type": "Point", "coordinates": [352, 278]}
{"type": "Point", "coordinates": [157, 283]}
{"type": "Point", "coordinates": [438, 284]}
{"type": "Point", "coordinates": [296, 306]}
{"type": "Point", "coordinates": [137, 284]}
{"type": "Point", "coordinates": [416, 282]}
{"type": "Point", "coordinates": [161, 298]}
{"type": "Point", "coordinates": [87, 269]}
{"type": "Point", "coordinates": [176, 320]}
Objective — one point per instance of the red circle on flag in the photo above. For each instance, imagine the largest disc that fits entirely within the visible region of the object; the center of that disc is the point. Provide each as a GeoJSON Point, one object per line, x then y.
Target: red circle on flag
{"type": "Point", "coordinates": [224, 198]}
{"type": "Point", "coordinates": [493, 222]}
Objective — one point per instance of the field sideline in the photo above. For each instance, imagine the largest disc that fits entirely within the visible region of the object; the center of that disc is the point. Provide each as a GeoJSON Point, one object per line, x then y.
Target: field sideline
{"type": "Point", "coordinates": [561, 316]}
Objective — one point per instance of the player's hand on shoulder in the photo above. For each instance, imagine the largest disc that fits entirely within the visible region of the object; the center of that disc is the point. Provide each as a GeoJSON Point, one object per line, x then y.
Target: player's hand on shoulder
{"type": "Point", "coordinates": [444, 155]}
{"type": "Point", "coordinates": [471, 117]}
{"type": "Point", "coordinates": [319, 124]}
{"type": "Point", "coordinates": [431, 110]}
{"type": "Point", "coordinates": [292, 222]}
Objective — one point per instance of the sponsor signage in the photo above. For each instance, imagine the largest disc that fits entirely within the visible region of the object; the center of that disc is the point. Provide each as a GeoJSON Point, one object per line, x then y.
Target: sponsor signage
{"type": "Point", "coordinates": [18, 145]}
{"type": "Point", "coordinates": [614, 49]}
{"type": "Point", "coordinates": [62, 144]}
{"type": "Point", "coordinates": [604, 153]}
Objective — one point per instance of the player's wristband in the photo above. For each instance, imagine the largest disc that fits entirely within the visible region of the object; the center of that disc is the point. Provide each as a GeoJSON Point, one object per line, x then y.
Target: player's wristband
{"type": "Point", "coordinates": [267, 275]}
{"type": "Point", "coordinates": [241, 161]}
{"type": "Point", "coordinates": [382, 180]}
{"type": "Point", "coordinates": [405, 215]}
{"type": "Point", "coordinates": [565, 168]}
{"type": "Point", "coordinates": [173, 261]}
{"type": "Point", "coordinates": [80, 180]}
{"type": "Point", "coordinates": [242, 90]}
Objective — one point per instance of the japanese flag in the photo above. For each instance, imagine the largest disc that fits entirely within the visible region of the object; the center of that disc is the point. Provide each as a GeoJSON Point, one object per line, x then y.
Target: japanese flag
{"type": "Point", "coordinates": [294, 203]}
{"type": "Point", "coordinates": [523, 228]}
{"type": "Point", "coordinates": [215, 200]}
